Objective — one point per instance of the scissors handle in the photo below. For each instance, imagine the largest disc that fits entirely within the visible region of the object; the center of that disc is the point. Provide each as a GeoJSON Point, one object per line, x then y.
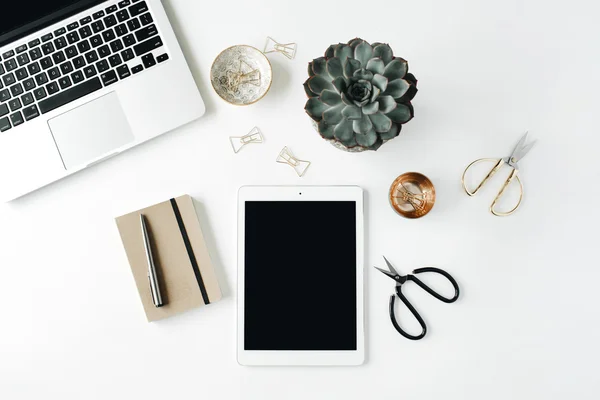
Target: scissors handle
{"type": "Point", "coordinates": [513, 175]}
{"type": "Point", "coordinates": [412, 310]}
{"type": "Point", "coordinates": [495, 169]}
{"type": "Point", "coordinates": [430, 290]}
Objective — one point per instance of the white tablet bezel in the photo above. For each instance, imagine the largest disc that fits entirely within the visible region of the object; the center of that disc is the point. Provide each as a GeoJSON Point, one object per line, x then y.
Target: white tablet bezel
{"type": "Point", "coordinates": [302, 193]}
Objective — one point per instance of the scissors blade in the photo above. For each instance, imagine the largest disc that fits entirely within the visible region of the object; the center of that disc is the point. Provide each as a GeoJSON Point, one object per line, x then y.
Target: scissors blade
{"type": "Point", "coordinates": [391, 268]}
{"type": "Point", "coordinates": [388, 273]}
{"type": "Point", "coordinates": [521, 149]}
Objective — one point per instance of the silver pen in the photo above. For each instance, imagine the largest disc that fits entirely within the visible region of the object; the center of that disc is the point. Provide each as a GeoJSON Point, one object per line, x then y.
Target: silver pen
{"type": "Point", "coordinates": [152, 277]}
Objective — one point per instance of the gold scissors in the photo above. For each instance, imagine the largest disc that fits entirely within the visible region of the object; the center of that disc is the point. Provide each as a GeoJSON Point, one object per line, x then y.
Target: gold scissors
{"type": "Point", "coordinates": [518, 153]}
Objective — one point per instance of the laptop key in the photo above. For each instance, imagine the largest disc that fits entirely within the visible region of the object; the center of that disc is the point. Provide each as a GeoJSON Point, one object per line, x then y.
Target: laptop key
{"type": "Point", "coordinates": [47, 37]}
{"type": "Point", "coordinates": [138, 8]}
{"type": "Point", "coordinates": [116, 46]}
{"type": "Point", "coordinates": [4, 95]}
{"type": "Point", "coordinates": [59, 57]}
{"type": "Point", "coordinates": [22, 59]}
{"type": "Point", "coordinates": [77, 77]}
{"type": "Point", "coordinates": [71, 51]}
{"type": "Point", "coordinates": [115, 60]}
{"type": "Point", "coordinates": [3, 110]}
{"type": "Point", "coordinates": [35, 54]}
{"type": "Point", "coordinates": [47, 48]}
{"type": "Point", "coordinates": [27, 99]}
{"type": "Point", "coordinates": [91, 56]}
{"type": "Point", "coordinates": [97, 26]}
{"type": "Point", "coordinates": [60, 43]}
{"type": "Point", "coordinates": [46, 62]}
{"type": "Point", "coordinates": [148, 61]}
{"type": "Point", "coordinates": [60, 32]}
{"type": "Point", "coordinates": [8, 54]}
{"type": "Point", "coordinates": [83, 46]}
{"type": "Point", "coordinates": [110, 21]}
{"type": "Point", "coordinates": [41, 79]}
{"type": "Point", "coordinates": [4, 124]}
{"type": "Point", "coordinates": [9, 79]}
{"type": "Point", "coordinates": [79, 62]}
{"type": "Point", "coordinates": [123, 72]}
{"type": "Point", "coordinates": [89, 71]}
{"type": "Point", "coordinates": [162, 58]}
{"type": "Point", "coordinates": [148, 45]}
{"type": "Point", "coordinates": [85, 20]}
{"type": "Point", "coordinates": [111, 9]}
{"type": "Point", "coordinates": [17, 118]}
{"type": "Point", "coordinates": [134, 24]}
{"type": "Point", "coordinates": [52, 88]}
{"type": "Point", "coordinates": [39, 93]}
{"type": "Point", "coordinates": [21, 48]}
{"type": "Point", "coordinates": [15, 104]}
{"type": "Point", "coordinates": [29, 84]}
{"type": "Point", "coordinates": [146, 33]}
{"type": "Point", "coordinates": [124, 3]}
{"type": "Point", "coordinates": [99, 14]}
{"type": "Point", "coordinates": [121, 29]}
{"type": "Point", "coordinates": [122, 15]}
{"type": "Point", "coordinates": [33, 43]}
{"type": "Point", "coordinates": [1, 69]}
{"type": "Point", "coordinates": [109, 35]}
{"type": "Point", "coordinates": [73, 37]}
{"type": "Point", "coordinates": [54, 73]}
{"type": "Point", "coordinates": [96, 41]}
{"type": "Point", "coordinates": [102, 66]}
{"type": "Point", "coordinates": [127, 55]}
{"type": "Point", "coordinates": [10, 64]}
{"type": "Point", "coordinates": [73, 25]}
{"type": "Point", "coordinates": [74, 93]}
{"type": "Point", "coordinates": [109, 78]}
{"type": "Point", "coordinates": [85, 32]}
{"type": "Point", "coordinates": [129, 40]}
{"type": "Point", "coordinates": [16, 90]}
{"type": "Point", "coordinates": [64, 82]}
{"type": "Point", "coordinates": [104, 51]}
{"type": "Point", "coordinates": [66, 68]}
{"type": "Point", "coordinates": [137, 68]}
{"type": "Point", "coordinates": [21, 73]}
{"type": "Point", "coordinates": [146, 19]}
{"type": "Point", "coordinates": [34, 68]}
{"type": "Point", "coordinates": [31, 112]}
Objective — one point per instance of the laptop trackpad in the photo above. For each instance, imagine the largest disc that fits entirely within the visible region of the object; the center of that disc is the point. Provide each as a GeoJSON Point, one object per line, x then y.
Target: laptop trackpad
{"type": "Point", "coordinates": [91, 131]}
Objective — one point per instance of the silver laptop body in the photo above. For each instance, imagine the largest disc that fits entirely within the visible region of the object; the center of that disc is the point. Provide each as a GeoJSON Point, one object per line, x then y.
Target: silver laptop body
{"type": "Point", "coordinates": [103, 77]}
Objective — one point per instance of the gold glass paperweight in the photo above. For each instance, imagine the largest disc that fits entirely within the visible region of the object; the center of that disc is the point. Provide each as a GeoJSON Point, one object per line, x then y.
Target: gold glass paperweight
{"type": "Point", "coordinates": [412, 195]}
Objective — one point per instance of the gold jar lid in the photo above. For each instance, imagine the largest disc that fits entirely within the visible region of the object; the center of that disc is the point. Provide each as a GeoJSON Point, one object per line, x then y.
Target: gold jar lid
{"type": "Point", "coordinates": [412, 195]}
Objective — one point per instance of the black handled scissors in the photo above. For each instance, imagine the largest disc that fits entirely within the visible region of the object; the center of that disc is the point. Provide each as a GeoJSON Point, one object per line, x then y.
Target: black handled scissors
{"type": "Point", "coordinates": [400, 280]}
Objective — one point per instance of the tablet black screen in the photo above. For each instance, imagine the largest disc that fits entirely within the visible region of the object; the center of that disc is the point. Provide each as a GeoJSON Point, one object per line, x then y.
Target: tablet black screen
{"type": "Point", "coordinates": [300, 275]}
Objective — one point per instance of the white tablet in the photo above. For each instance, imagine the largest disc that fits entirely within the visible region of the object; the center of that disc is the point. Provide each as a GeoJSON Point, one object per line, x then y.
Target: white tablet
{"type": "Point", "coordinates": [300, 275]}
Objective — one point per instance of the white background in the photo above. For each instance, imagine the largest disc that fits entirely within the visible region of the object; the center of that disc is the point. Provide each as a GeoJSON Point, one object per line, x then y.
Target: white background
{"type": "Point", "coordinates": [527, 323]}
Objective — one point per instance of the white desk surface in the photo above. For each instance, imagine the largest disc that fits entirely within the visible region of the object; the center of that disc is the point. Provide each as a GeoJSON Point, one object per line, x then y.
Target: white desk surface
{"type": "Point", "coordinates": [527, 323]}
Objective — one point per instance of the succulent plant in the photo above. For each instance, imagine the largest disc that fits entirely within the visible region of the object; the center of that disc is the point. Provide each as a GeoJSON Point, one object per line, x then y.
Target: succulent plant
{"type": "Point", "coordinates": [359, 94]}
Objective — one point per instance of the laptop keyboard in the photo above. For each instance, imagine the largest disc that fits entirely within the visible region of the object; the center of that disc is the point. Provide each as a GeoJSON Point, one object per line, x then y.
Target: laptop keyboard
{"type": "Point", "coordinates": [76, 60]}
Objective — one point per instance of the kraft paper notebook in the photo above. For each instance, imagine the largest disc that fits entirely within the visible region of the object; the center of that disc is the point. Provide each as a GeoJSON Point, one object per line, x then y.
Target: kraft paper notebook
{"type": "Point", "coordinates": [185, 272]}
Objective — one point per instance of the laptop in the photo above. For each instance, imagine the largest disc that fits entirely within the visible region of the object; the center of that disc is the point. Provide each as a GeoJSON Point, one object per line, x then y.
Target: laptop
{"type": "Point", "coordinates": [82, 81]}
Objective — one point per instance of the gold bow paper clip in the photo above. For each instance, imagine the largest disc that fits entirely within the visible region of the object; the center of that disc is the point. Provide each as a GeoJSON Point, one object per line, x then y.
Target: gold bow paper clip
{"type": "Point", "coordinates": [287, 49]}
{"type": "Point", "coordinates": [417, 201]}
{"type": "Point", "coordinates": [255, 136]}
{"type": "Point", "coordinates": [286, 157]}
{"type": "Point", "coordinates": [245, 74]}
